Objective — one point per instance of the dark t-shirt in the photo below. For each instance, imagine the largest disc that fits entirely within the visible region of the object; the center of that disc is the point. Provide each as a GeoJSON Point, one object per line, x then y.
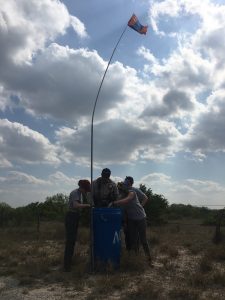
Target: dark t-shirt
{"type": "Point", "coordinates": [104, 192]}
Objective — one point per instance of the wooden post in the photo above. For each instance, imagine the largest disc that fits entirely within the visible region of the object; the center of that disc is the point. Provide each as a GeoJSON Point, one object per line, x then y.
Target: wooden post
{"type": "Point", "coordinates": [218, 236]}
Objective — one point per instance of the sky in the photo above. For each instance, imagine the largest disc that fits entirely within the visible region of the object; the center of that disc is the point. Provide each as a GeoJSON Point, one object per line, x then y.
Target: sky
{"type": "Point", "coordinates": [160, 115]}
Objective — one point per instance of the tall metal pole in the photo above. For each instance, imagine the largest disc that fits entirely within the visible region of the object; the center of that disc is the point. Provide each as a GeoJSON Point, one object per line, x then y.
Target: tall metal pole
{"type": "Point", "coordinates": [92, 138]}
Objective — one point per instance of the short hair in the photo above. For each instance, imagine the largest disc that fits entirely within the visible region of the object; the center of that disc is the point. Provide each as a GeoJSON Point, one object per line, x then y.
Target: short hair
{"type": "Point", "coordinates": [130, 179]}
{"type": "Point", "coordinates": [106, 173]}
{"type": "Point", "coordinates": [85, 184]}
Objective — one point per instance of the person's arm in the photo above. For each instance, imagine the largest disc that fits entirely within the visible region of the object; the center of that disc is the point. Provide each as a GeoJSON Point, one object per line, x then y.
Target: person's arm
{"type": "Point", "coordinates": [115, 192]}
{"type": "Point", "coordinates": [95, 192]}
{"type": "Point", "coordinates": [125, 200]}
{"type": "Point", "coordinates": [142, 197]}
{"type": "Point", "coordinates": [144, 201]}
{"type": "Point", "coordinates": [76, 202]}
{"type": "Point", "coordinates": [79, 205]}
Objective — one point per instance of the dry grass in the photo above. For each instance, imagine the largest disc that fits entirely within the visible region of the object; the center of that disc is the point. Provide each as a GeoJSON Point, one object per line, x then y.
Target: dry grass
{"type": "Point", "coordinates": [145, 290]}
{"type": "Point", "coordinates": [187, 265]}
{"type": "Point", "coordinates": [205, 264]}
{"type": "Point", "coordinates": [183, 293]}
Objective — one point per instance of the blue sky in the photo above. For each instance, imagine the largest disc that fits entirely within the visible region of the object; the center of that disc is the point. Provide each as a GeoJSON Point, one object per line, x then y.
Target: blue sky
{"type": "Point", "coordinates": [160, 113]}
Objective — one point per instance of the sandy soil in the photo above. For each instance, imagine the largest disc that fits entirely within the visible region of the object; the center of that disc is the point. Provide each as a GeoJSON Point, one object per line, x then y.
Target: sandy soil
{"type": "Point", "coordinates": [170, 272]}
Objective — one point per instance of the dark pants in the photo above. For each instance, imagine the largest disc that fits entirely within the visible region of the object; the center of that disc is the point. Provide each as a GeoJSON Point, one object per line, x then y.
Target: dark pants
{"type": "Point", "coordinates": [71, 226]}
{"type": "Point", "coordinates": [137, 231]}
{"type": "Point", "coordinates": [126, 234]}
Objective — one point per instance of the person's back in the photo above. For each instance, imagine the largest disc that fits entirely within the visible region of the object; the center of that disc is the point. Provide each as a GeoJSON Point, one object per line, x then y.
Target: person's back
{"type": "Point", "coordinates": [134, 209]}
{"type": "Point", "coordinates": [141, 196]}
{"type": "Point", "coordinates": [104, 189]}
{"type": "Point", "coordinates": [136, 220]}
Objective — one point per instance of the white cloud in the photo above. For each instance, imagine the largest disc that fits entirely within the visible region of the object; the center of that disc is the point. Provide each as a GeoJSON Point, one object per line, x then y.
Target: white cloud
{"type": "Point", "coordinates": [207, 133]}
{"type": "Point", "coordinates": [21, 178]}
{"type": "Point", "coordinates": [185, 68]}
{"type": "Point", "coordinates": [198, 61]}
{"type": "Point", "coordinates": [173, 103]}
{"type": "Point", "coordinates": [210, 14]}
{"type": "Point", "coordinates": [26, 26]}
{"type": "Point", "coordinates": [4, 163]}
{"type": "Point", "coordinates": [177, 106]}
{"type": "Point", "coordinates": [61, 179]}
{"type": "Point", "coordinates": [21, 144]}
{"type": "Point", "coordinates": [55, 85]}
{"type": "Point", "coordinates": [190, 191]}
{"type": "Point", "coordinates": [79, 27]}
{"type": "Point", "coordinates": [169, 7]}
{"type": "Point", "coordinates": [3, 98]}
{"type": "Point", "coordinates": [146, 53]}
{"type": "Point", "coordinates": [118, 142]}
{"type": "Point", "coordinates": [194, 68]}
{"type": "Point", "coordinates": [155, 180]}
{"type": "Point", "coordinates": [19, 188]}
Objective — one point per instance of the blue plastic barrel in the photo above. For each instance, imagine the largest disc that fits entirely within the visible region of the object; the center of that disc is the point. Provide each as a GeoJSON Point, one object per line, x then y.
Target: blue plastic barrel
{"type": "Point", "coordinates": [107, 224]}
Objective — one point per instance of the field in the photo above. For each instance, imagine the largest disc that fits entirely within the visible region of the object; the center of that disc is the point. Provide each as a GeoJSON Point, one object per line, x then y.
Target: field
{"type": "Point", "coordinates": [186, 265]}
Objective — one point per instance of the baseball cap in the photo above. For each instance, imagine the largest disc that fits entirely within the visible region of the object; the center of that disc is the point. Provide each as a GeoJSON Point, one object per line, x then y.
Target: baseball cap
{"type": "Point", "coordinates": [129, 179]}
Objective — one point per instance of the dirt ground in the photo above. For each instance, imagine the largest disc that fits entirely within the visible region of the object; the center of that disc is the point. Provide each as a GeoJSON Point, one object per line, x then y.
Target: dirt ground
{"type": "Point", "coordinates": [186, 265]}
{"type": "Point", "coordinates": [161, 280]}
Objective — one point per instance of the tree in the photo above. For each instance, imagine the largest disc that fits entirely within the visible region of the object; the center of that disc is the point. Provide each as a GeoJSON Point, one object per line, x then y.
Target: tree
{"type": "Point", "coordinates": [6, 213]}
{"type": "Point", "coordinates": [54, 207]}
{"type": "Point", "coordinates": [179, 211]}
{"type": "Point", "coordinates": [156, 207]}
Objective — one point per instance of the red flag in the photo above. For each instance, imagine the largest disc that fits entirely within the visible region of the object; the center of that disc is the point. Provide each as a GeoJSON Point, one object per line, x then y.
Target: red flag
{"type": "Point", "coordinates": [136, 25]}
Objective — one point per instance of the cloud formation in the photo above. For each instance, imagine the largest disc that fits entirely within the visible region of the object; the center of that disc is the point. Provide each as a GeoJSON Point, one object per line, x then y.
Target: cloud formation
{"type": "Point", "coordinates": [173, 105]}
{"type": "Point", "coordinates": [19, 188]}
{"type": "Point", "coordinates": [118, 142]}
{"type": "Point", "coordinates": [26, 27]}
{"type": "Point", "coordinates": [188, 191]}
{"type": "Point", "coordinates": [207, 133]}
{"type": "Point", "coordinates": [20, 144]}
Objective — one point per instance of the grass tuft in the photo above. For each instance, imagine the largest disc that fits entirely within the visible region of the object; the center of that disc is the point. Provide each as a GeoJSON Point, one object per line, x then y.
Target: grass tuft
{"type": "Point", "coordinates": [146, 290]}
{"type": "Point", "coordinates": [183, 293]}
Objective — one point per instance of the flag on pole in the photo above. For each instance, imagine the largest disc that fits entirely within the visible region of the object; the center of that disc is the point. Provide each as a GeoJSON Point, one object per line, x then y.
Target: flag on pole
{"type": "Point", "coordinates": [136, 25]}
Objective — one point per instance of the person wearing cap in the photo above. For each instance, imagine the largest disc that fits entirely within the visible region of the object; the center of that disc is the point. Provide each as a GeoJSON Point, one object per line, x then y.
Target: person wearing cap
{"type": "Point", "coordinates": [136, 220]}
{"type": "Point", "coordinates": [129, 181]}
{"type": "Point", "coordinates": [77, 200]}
{"type": "Point", "coordinates": [104, 189]}
{"type": "Point", "coordinates": [141, 196]}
